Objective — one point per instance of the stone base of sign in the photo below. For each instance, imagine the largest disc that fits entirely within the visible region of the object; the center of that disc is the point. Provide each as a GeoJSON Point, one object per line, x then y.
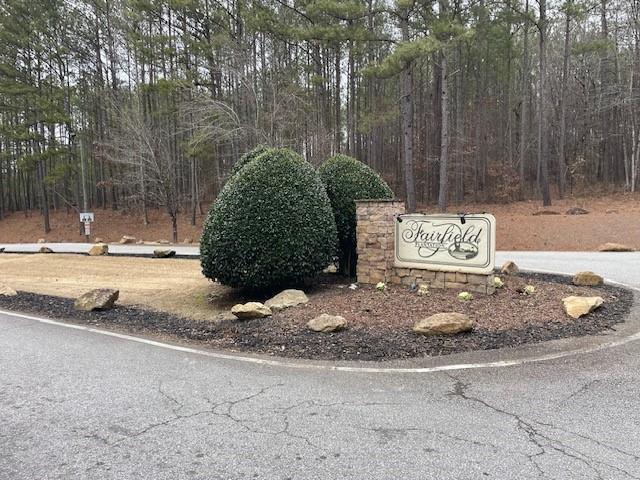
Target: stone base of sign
{"type": "Point", "coordinates": [375, 244]}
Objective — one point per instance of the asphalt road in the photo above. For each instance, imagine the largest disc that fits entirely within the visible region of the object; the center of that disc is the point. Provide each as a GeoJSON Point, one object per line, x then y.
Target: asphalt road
{"type": "Point", "coordinates": [190, 251]}
{"type": "Point", "coordinates": [80, 405]}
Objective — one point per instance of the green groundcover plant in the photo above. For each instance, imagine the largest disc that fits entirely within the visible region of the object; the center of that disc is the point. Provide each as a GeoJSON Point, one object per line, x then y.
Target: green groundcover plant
{"type": "Point", "coordinates": [271, 226]}
{"type": "Point", "coordinates": [347, 180]}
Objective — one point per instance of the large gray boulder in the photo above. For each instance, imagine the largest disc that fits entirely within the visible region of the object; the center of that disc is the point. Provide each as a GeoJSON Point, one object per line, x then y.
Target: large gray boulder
{"type": "Point", "coordinates": [285, 299]}
{"type": "Point", "coordinates": [448, 323]}
{"type": "Point", "coordinates": [99, 249]}
{"type": "Point", "coordinates": [577, 307]}
{"type": "Point", "coordinates": [577, 211]}
{"type": "Point", "coordinates": [6, 291]}
{"type": "Point", "coordinates": [327, 323]}
{"type": "Point", "coordinates": [615, 247]}
{"type": "Point", "coordinates": [250, 310]}
{"type": "Point", "coordinates": [509, 268]}
{"type": "Point", "coordinates": [164, 253]}
{"type": "Point", "coordinates": [98, 299]}
{"type": "Point", "coordinates": [587, 279]}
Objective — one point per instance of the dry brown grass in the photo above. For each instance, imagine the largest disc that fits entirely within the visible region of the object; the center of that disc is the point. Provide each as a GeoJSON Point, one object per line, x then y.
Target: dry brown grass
{"type": "Point", "coordinates": [171, 285]}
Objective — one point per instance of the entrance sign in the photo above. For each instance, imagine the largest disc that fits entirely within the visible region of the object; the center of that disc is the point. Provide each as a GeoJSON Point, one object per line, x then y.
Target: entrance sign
{"type": "Point", "coordinates": [449, 243]}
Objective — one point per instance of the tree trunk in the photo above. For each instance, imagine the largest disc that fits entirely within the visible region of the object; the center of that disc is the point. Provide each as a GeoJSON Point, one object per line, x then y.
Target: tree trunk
{"type": "Point", "coordinates": [406, 105]}
{"type": "Point", "coordinates": [444, 136]}
{"type": "Point", "coordinates": [524, 98]}
{"type": "Point", "coordinates": [459, 132]}
{"type": "Point", "coordinates": [562, 161]}
{"type": "Point", "coordinates": [174, 227]}
{"type": "Point", "coordinates": [543, 127]}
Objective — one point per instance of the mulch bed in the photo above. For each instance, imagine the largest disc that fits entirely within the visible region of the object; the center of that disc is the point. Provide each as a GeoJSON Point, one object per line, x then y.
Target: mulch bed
{"type": "Point", "coordinates": [379, 323]}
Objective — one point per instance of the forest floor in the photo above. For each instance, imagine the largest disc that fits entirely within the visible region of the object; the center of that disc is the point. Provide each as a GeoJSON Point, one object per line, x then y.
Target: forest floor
{"type": "Point", "coordinates": [611, 218]}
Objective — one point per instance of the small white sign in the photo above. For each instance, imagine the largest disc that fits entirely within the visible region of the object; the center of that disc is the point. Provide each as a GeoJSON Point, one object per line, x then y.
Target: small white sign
{"type": "Point", "coordinates": [86, 217]}
{"type": "Point", "coordinates": [87, 228]}
{"type": "Point", "coordinates": [450, 243]}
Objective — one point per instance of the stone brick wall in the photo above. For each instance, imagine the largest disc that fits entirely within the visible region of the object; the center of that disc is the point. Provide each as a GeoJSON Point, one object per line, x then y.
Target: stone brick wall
{"type": "Point", "coordinates": [375, 243]}
{"type": "Point", "coordinates": [374, 234]}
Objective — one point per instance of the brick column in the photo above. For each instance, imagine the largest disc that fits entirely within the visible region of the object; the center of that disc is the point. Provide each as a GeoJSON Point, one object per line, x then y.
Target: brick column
{"type": "Point", "coordinates": [375, 238]}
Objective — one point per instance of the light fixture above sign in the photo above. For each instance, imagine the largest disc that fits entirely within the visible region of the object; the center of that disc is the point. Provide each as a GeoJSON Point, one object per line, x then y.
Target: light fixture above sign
{"type": "Point", "coordinates": [449, 243]}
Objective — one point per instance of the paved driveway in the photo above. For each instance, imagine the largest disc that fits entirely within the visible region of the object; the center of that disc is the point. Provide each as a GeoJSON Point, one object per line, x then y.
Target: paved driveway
{"type": "Point", "coordinates": [76, 404]}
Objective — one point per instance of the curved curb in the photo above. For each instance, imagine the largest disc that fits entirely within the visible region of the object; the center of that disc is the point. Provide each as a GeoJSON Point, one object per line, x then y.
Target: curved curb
{"type": "Point", "coordinates": [628, 332]}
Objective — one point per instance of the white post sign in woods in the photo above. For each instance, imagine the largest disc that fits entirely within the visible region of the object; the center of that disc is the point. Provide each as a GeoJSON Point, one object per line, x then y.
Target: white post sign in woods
{"type": "Point", "coordinates": [450, 243]}
{"type": "Point", "coordinates": [86, 218]}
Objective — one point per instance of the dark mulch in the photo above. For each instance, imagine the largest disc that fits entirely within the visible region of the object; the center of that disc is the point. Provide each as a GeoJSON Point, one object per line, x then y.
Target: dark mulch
{"type": "Point", "coordinates": [380, 323]}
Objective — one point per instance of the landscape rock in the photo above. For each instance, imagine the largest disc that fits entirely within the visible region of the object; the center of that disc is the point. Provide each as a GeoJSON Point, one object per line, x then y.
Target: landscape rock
{"type": "Point", "coordinates": [330, 269]}
{"type": "Point", "coordinates": [98, 240]}
{"type": "Point", "coordinates": [576, 307]}
{"type": "Point", "coordinates": [127, 239]}
{"type": "Point", "coordinates": [187, 240]}
{"type": "Point", "coordinates": [164, 253]}
{"type": "Point", "coordinates": [615, 247]}
{"type": "Point", "coordinates": [99, 249]}
{"type": "Point", "coordinates": [449, 323]}
{"type": "Point", "coordinates": [327, 323]}
{"type": "Point", "coordinates": [510, 268]}
{"type": "Point", "coordinates": [41, 240]}
{"type": "Point", "coordinates": [163, 242]}
{"type": "Point", "coordinates": [6, 291]}
{"type": "Point", "coordinates": [285, 299]}
{"type": "Point", "coordinates": [545, 212]}
{"type": "Point", "coordinates": [2, 250]}
{"type": "Point", "coordinates": [251, 310]}
{"type": "Point", "coordinates": [577, 211]}
{"type": "Point", "coordinates": [587, 279]}
{"type": "Point", "coordinates": [98, 299]}
{"type": "Point", "coordinates": [45, 250]}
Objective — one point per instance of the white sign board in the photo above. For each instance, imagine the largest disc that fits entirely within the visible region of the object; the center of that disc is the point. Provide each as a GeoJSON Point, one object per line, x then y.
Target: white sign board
{"type": "Point", "coordinates": [450, 243]}
{"type": "Point", "coordinates": [86, 217]}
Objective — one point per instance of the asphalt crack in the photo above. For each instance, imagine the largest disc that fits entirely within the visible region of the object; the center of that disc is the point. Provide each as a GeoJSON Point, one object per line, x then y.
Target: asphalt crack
{"type": "Point", "coordinates": [543, 442]}
{"type": "Point", "coordinates": [178, 417]}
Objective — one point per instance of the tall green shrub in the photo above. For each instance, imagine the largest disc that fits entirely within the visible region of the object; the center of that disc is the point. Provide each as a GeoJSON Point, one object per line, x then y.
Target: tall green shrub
{"type": "Point", "coordinates": [347, 180]}
{"type": "Point", "coordinates": [247, 158]}
{"type": "Point", "coordinates": [271, 226]}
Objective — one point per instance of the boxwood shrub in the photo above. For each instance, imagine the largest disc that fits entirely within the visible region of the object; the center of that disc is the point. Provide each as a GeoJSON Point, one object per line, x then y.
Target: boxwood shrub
{"type": "Point", "coordinates": [271, 226]}
{"type": "Point", "coordinates": [247, 158]}
{"type": "Point", "coordinates": [347, 180]}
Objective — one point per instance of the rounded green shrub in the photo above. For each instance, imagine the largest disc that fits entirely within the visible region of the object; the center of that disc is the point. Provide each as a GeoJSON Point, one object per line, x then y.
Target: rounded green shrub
{"type": "Point", "coordinates": [247, 158]}
{"type": "Point", "coordinates": [271, 226]}
{"type": "Point", "coordinates": [347, 180]}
